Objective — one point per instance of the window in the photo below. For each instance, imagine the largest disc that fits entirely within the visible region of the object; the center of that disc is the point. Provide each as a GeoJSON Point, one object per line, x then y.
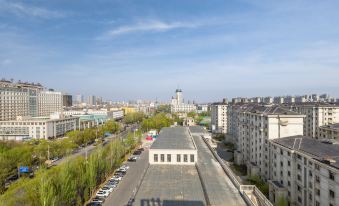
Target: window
{"type": "Point", "coordinates": [192, 157]}
{"type": "Point", "coordinates": [331, 194]}
{"type": "Point", "coordinates": [185, 158]}
{"type": "Point", "coordinates": [289, 163]}
{"type": "Point", "coordinates": [155, 157]}
{"type": "Point", "coordinates": [162, 158]}
{"type": "Point", "coordinates": [289, 173]}
{"type": "Point", "coordinates": [178, 158]}
{"type": "Point", "coordinates": [331, 175]}
{"type": "Point", "coordinates": [316, 166]}
{"type": "Point", "coordinates": [317, 178]}
{"type": "Point", "coordinates": [168, 158]}
{"type": "Point", "coordinates": [317, 191]}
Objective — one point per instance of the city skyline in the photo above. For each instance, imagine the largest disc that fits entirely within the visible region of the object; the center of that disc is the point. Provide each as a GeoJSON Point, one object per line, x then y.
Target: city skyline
{"type": "Point", "coordinates": [211, 50]}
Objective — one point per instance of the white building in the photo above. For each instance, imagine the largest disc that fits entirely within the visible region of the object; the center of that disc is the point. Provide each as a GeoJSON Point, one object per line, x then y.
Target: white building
{"type": "Point", "coordinates": [219, 117]}
{"type": "Point", "coordinates": [178, 104]}
{"type": "Point", "coordinates": [255, 126]}
{"type": "Point", "coordinates": [174, 146]}
{"type": "Point", "coordinates": [304, 171]}
{"type": "Point", "coordinates": [202, 108]}
{"type": "Point", "coordinates": [18, 99]}
{"type": "Point", "coordinates": [317, 115]}
{"type": "Point", "coordinates": [49, 102]}
{"type": "Point", "coordinates": [37, 127]}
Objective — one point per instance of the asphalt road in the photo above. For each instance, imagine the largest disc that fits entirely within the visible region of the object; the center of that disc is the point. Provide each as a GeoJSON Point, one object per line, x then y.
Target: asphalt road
{"type": "Point", "coordinates": [90, 148]}
{"type": "Point", "coordinates": [125, 189]}
{"type": "Point", "coordinates": [220, 190]}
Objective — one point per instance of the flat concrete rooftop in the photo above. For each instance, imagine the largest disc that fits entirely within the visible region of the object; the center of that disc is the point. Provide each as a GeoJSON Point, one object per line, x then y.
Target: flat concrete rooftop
{"type": "Point", "coordinates": [174, 138]}
{"type": "Point", "coordinates": [170, 185]}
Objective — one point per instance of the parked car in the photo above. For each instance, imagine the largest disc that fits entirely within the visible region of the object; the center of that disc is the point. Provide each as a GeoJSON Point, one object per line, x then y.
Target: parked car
{"type": "Point", "coordinates": [111, 185]}
{"type": "Point", "coordinates": [116, 178]}
{"type": "Point", "coordinates": [125, 167]}
{"type": "Point", "coordinates": [141, 149]}
{"type": "Point", "coordinates": [132, 159]}
{"type": "Point", "coordinates": [102, 194]}
{"type": "Point", "coordinates": [97, 200]}
{"type": "Point", "coordinates": [107, 189]}
{"type": "Point", "coordinates": [137, 152]}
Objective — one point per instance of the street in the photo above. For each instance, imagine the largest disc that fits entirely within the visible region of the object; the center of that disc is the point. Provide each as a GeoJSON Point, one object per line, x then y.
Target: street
{"type": "Point", "coordinates": [121, 195]}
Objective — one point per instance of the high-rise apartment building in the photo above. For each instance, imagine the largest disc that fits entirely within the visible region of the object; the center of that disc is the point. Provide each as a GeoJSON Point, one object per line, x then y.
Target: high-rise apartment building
{"type": "Point", "coordinates": [317, 115]}
{"type": "Point", "coordinates": [219, 117]}
{"type": "Point", "coordinates": [18, 99]}
{"type": "Point", "coordinates": [253, 126]}
{"type": "Point", "coordinates": [49, 102]}
{"type": "Point", "coordinates": [91, 101]}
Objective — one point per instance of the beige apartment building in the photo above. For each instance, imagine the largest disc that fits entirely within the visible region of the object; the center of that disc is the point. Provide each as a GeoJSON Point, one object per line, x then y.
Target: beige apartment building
{"type": "Point", "coordinates": [305, 171]}
{"type": "Point", "coordinates": [219, 117]}
{"type": "Point", "coordinates": [256, 125]}
{"type": "Point", "coordinates": [317, 115]}
{"type": "Point", "coordinates": [330, 132]}
{"type": "Point", "coordinates": [49, 102]}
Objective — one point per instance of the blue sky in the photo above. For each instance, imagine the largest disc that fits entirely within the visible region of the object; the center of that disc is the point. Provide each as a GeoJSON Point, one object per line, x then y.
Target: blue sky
{"type": "Point", "coordinates": [145, 49]}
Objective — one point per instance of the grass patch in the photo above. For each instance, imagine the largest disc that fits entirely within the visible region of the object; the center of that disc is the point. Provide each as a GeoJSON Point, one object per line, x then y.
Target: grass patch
{"type": "Point", "coordinates": [262, 186]}
{"type": "Point", "coordinates": [240, 170]}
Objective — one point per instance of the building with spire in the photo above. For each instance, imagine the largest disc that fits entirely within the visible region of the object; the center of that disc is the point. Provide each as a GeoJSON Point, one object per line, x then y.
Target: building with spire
{"type": "Point", "coordinates": [178, 104]}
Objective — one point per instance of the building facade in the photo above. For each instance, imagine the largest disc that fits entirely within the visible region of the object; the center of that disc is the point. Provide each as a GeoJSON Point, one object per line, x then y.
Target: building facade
{"type": "Point", "coordinates": [18, 99]}
{"type": "Point", "coordinates": [49, 102]}
{"type": "Point", "coordinates": [219, 117]}
{"type": "Point", "coordinates": [178, 104]}
{"type": "Point", "coordinates": [37, 128]}
{"type": "Point", "coordinates": [305, 171]}
{"type": "Point", "coordinates": [173, 146]}
{"type": "Point", "coordinates": [330, 132]}
{"type": "Point", "coordinates": [255, 126]}
{"type": "Point", "coordinates": [317, 115]}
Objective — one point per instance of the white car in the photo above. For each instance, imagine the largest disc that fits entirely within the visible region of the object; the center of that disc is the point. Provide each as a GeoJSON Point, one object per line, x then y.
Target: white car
{"type": "Point", "coordinates": [122, 170]}
{"type": "Point", "coordinates": [107, 189]}
{"type": "Point", "coordinates": [126, 167]}
{"type": "Point", "coordinates": [116, 178]}
{"type": "Point", "coordinates": [101, 193]}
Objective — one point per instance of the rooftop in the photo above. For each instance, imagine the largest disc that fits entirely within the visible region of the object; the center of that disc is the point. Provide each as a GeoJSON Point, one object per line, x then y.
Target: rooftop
{"type": "Point", "coordinates": [170, 185]}
{"type": "Point", "coordinates": [321, 151]}
{"type": "Point", "coordinates": [331, 126]}
{"type": "Point", "coordinates": [197, 129]}
{"type": "Point", "coordinates": [174, 138]}
{"type": "Point", "coordinates": [265, 109]}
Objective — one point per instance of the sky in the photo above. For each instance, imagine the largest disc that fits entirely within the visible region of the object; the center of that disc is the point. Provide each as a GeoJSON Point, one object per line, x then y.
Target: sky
{"type": "Point", "coordinates": [145, 49]}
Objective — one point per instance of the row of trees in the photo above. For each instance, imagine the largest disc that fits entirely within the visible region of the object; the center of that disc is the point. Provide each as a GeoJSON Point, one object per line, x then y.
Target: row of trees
{"type": "Point", "coordinates": [36, 152]}
{"type": "Point", "coordinates": [71, 183]}
{"type": "Point", "coordinates": [89, 135]}
{"type": "Point", "coordinates": [157, 122]}
{"type": "Point", "coordinates": [134, 117]}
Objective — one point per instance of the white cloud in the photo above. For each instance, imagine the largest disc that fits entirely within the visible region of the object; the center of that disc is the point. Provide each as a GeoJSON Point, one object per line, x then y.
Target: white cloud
{"type": "Point", "coordinates": [21, 9]}
{"type": "Point", "coordinates": [153, 25]}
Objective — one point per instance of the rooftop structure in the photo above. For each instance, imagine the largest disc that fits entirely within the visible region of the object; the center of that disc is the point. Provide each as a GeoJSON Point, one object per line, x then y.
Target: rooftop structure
{"type": "Point", "coordinates": [174, 138]}
{"type": "Point", "coordinates": [174, 146]}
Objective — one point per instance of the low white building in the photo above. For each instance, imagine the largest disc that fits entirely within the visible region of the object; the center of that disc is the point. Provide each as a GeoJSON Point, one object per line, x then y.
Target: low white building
{"type": "Point", "coordinates": [174, 146]}
{"type": "Point", "coordinates": [178, 104]}
{"type": "Point", "coordinates": [304, 171]}
{"type": "Point", "coordinates": [37, 127]}
{"type": "Point", "coordinates": [330, 132]}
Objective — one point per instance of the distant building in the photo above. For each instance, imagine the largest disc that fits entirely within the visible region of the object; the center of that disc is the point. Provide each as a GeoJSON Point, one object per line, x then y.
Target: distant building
{"type": "Point", "coordinates": [317, 115]}
{"type": "Point", "coordinates": [49, 102]}
{"type": "Point", "coordinates": [174, 146]}
{"type": "Point", "coordinates": [67, 100]}
{"type": "Point", "coordinates": [202, 108]}
{"type": "Point", "coordinates": [91, 101]}
{"type": "Point", "coordinates": [219, 117]}
{"type": "Point", "coordinates": [37, 127]}
{"type": "Point", "coordinates": [189, 121]}
{"type": "Point", "coordinates": [330, 132]}
{"type": "Point", "coordinates": [79, 98]}
{"type": "Point", "coordinates": [178, 105]}
{"type": "Point", "coordinates": [27, 99]}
